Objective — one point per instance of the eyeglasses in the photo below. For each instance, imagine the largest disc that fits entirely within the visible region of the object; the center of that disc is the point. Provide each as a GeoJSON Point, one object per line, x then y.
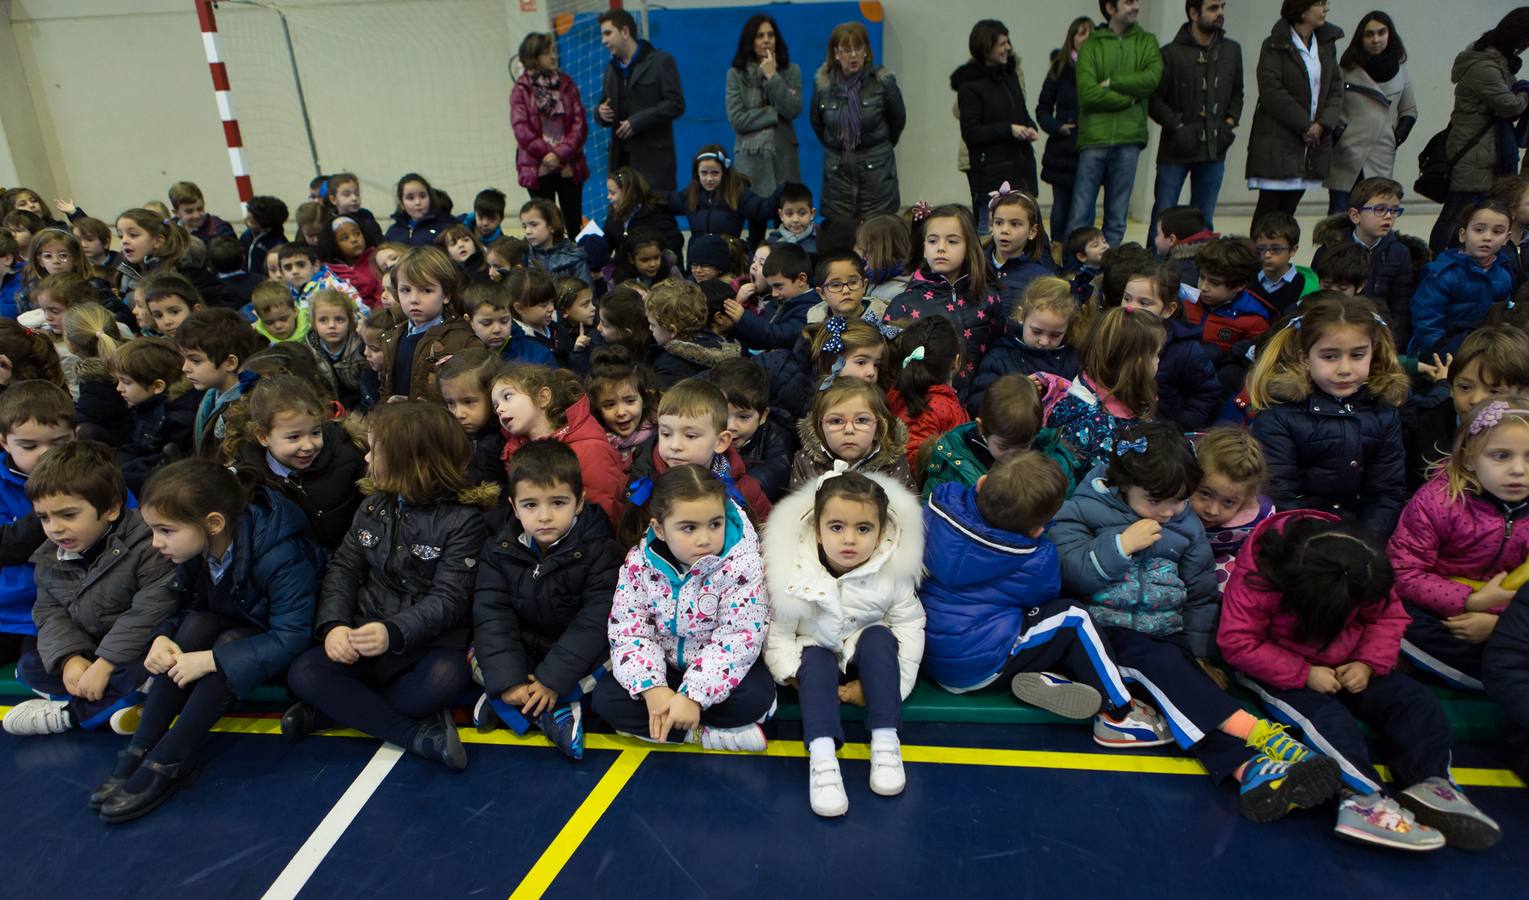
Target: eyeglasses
{"type": "Point", "coordinates": [1266, 249]}
{"type": "Point", "coordinates": [840, 423]}
{"type": "Point", "coordinates": [848, 50]}
{"type": "Point", "coordinates": [840, 287]}
{"type": "Point", "coordinates": [1385, 212]}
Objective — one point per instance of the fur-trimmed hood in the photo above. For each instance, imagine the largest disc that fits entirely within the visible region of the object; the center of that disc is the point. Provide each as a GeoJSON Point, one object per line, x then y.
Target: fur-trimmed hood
{"type": "Point", "coordinates": [484, 496]}
{"type": "Point", "coordinates": [885, 458]}
{"type": "Point", "coordinates": [704, 354]}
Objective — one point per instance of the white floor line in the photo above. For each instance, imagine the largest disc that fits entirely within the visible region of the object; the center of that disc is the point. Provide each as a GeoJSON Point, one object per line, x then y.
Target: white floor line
{"type": "Point", "coordinates": [306, 861]}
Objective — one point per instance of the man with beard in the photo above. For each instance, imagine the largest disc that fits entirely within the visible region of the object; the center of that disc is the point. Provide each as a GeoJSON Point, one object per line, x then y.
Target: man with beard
{"type": "Point", "coordinates": [1198, 103]}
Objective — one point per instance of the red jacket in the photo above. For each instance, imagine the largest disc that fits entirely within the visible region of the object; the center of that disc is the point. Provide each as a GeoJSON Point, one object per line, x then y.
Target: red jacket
{"type": "Point", "coordinates": [943, 413]}
{"type": "Point", "coordinates": [600, 465]}
{"type": "Point", "coordinates": [1256, 635]}
{"type": "Point", "coordinates": [1437, 540]}
{"type": "Point", "coordinates": [530, 134]}
{"type": "Point", "coordinates": [1243, 318]}
{"type": "Point", "coordinates": [359, 274]}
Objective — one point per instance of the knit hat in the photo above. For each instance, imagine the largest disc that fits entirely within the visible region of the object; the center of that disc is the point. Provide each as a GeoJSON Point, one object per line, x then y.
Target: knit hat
{"type": "Point", "coordinates": [708, 250]}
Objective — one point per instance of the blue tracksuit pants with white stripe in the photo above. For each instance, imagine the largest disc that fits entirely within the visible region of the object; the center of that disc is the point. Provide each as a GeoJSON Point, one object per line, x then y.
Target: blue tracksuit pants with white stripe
{"type": "Point", "coordinates": [1406, 716]}
{"type": "Point", "coordinates": [1432, 648]}
{"type": "Point", "coordinates": [1061, 634]}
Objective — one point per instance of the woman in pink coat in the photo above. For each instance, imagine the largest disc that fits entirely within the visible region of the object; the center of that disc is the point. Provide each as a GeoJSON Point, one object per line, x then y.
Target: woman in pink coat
{"type": "Point", "coordinates": [547, 117]}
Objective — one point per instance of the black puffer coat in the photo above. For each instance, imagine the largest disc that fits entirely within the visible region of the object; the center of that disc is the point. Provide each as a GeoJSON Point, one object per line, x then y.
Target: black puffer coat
{"type": "Point", "coordinates": [991, 101]}
{"type": "Point", "coordinates": [1058, 106]}
{"type": "Point", "coordinates": [326, 491]}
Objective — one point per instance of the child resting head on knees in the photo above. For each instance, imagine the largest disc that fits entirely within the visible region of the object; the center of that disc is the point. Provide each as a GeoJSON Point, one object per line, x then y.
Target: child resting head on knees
{"type": "Point", "coordinates": [466, 382]}
{"type": "Point", "coordinates": [1328, 388]}
{"type": "Point", "coordinates": [850, 426]}
{"type": "Point", "coordinates": [169, 299]}
{"type": "Point", "coordinates": [930, 354]}
{"type": "Point", "coordinates": [688, 622]}
{"type": "Point", "coordinates": [542, 601]}
{"type": "Point", "coordinates": [1345, 268]}
{"type": "Point", "coordinates": [237, 546]}
{"type": "Point", "coordinates": [1008, 421]}
{"type": "Point", "coordinates": [1116, 384]}
{"type": "Point", "coordinates": [843, 568]}
{"type": "Point", "coordinates": [93, 631]}
{"type": "Point", "coordinates": [505, 256]}
{"type": "Point", "coordinates": [1043, 334]}
{"type": "Point", "coordinates": [278, 317]}
{"type": "Point", "coordinates": [1229, 499]}
{"type": "Point", "coordinates": [1131, 546]}
{"type": "Point", "coordinates": [1312, 623]}
{"type": "Point", "coordinates": [395, 611]}
{"type": "Point", "coordinates": [624, 396]}
{"type": "Point", "coordinates": [162, 404]}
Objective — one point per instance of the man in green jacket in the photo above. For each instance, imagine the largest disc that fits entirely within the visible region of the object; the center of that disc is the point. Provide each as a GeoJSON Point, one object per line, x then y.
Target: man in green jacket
{"type": "Point", "coordinates": [1119, 67]}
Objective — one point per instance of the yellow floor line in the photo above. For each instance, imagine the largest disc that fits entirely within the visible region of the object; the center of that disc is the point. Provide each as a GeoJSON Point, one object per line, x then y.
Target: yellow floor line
{"type": "Point", "coordinates": [579, 825]}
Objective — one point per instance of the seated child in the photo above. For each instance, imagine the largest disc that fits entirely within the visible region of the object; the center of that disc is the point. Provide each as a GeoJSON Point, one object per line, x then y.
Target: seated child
{"type": "Point", "coordinates": [190, 208]}
{"type": "Point", "coordinates": [12, 276]}
{"type": "Point", "coordinates": [532, 301]}
{"type": "Point", "coordinates": [688, 622]}
{"type": "Point", "coordinates": [505, 256]}
{"type": "Point", "coordinates": [377, 323]}
{"type": "Point", "coordinates": [35, 416]}
{"type": "Point", "coordinates": [846, 621]}
{"type": "Point", "coordinates": [545, 239]}
{"type": "Point", "coordinates": [535, 403]}
{"type": "Point", "coordinates": [1344, 268]}
{"type": "Point", "coordinates": [624, 397]}
{"type": "Point", "coordinates": [542, 600]}
{"type": "Point", "coordinates": [102, 590]}
{"type": "Point", "coordinates": [763, 437]}
{"type": "Point", "coordinates": [1009, 420]}
{"type": "Point", "coordinates": [227, 260]}
{"type": "Point", "coordinates": [337, 346]}
{"type": "Point", "coordinates": [1116, 385]}
{"type": "Point", "coordinates": [465, 250]}
{"type": "Point", "coordinates": [574, 307]}
{"type": "Point", "coordinates": [1230, 314]}
{"type": "Point", "coordinates": [214, 345]}
{"type": "Point", "coordinates": [1041, 337]}
{"type": "Point", "coordinates": [1083, 256]}
{"type": "Point", "coordinates": [842, 284]}
{"type": "Point", "coordinates": [788, 271]}
{"type": "Point", "coordinates": [488, 307]}
{"type": "Point", "coordinates": [92, 336]}
{"type": "Point", "coordinates": [796, 215]}
{"type": "Point", "coordinates": [305, 275]}
{"type": "Point", "coordinates": [278, 318]}
{"type": "Point", "coordinates": [1374, 209]}
{"type": "Point", "coordinates": [1461, 284]}
{"type": "Point", "coordinates": [466, 382]}
{"type": "Point", "coordinates": [1130, 545]}
{"type": "Point", "coordinates": [851, 428]}
{"type": "Point", "coordinates": [1276, 237]}
{"type": "Point", "coordinates": [677, 317]}
{"type": "Point", "coordinates": [1018, 249]}
{"type": "Point", "coordinates": [487, 216]}
{"type": "Point", "coordinates": [1179, 237]}
{"type": "Point", "coordinates": [394, 615]}
{"type": "Point", "coordinates": [429, 295]}
{"type": "Point", "coordinates": [162, 402]}
{"type": "Point", "coordinates": [922, 395]}
{"type": "Point", "coordinates": [1312, 626]}
{"type": "Point", "coordinates": [1228, 501]}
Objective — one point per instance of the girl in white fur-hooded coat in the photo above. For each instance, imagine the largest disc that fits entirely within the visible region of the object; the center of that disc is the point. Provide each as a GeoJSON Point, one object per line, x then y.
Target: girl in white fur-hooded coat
{"type": "Point", "coordinates": [843, 559]}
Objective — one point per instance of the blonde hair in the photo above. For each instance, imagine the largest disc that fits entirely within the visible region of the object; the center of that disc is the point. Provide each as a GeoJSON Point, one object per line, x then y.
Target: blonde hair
{"type": "Point", "coordinates": [1119, 351]}
{"type": "Point", "coordinates": [1472, 438]}
{"type": "Point", "coordinates": [1234, 453]}
{"type": "Point", "coordinates": [1049, 293]}
{"type": "Point", "coordinates": [431, 265]}
{"type": "Point", "coordinates": [336, 299]}
{"type": "Point", "coordinates": [91, 330]}
{"type": "Point", "coordinates": [1280, 373]}
{"type": "Point", "coordinates": [269, 295]}
{"type": "Point", "coordinates": [695, 398]}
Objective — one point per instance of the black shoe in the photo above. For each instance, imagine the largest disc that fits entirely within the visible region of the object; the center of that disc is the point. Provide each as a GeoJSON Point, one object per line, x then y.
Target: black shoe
{"type": "Point", "coordinates": [125, 807]}
{"type": "Point", "coordinates": [128, 762]}
{"type": "Point", "coordinates": [301, 720]}
{"type": "Point", "coordinates": [437, 739]}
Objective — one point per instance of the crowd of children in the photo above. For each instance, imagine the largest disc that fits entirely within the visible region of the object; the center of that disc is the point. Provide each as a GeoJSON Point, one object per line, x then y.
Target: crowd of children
{"type": "Point", "coordinates": [439, 466]}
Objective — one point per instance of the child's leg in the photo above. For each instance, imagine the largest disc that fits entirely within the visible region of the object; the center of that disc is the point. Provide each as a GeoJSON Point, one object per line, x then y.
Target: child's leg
{"type": "Point", "coordinates": [1505, 672]}
{"type": "Point", "coordinates": [880, 678]}
{"type": "Point", "coordinates": [749, 703]}
{"type": "Point", "coordinates": [1061, 632]}
{"type": "Point", "coordinates": [817, 689]}
{"type": "Point", "coordinates": [1431, 647]}
{"type": "Point", "coordinates": [625, 713]}
{"type": "Point", "coordinates": [1192, 704]}
{"type": "Point", "coordinates": [439, 677]}
{"type": "Point", "coordinates": [517, 722]}
{"type": "Point", "coordinates": [209, 697]}
{"type": "Point", "coordinates": [346, 694]}
{"type": "Point", "coordinates": [197, 631]}
{"type": "Point", "coordinates": [1411, 723]}
{"type": "Point", "coordinates": [1326, 722]}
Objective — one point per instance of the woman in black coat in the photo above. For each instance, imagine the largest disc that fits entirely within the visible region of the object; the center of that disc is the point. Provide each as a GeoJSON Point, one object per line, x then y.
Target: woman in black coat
{"type": "Point", "coordinates": [1057, 113]}
{"type": "Point", "coordinates": [995, 124]}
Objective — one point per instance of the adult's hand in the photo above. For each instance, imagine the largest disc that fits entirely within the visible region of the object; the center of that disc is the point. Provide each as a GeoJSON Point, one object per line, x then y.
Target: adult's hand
{"type": "Point", "coordinates": [624, 130]}
{"type": "Point", "coordinates": [1313, 133]}
{"type": "Point", "coordinates": [605, 111]}
{"type": "Point", "coordinates": [767, 64]}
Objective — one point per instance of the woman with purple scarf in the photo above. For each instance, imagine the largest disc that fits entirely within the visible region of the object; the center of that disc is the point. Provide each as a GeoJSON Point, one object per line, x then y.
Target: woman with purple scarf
{"type": "Point", "coordinates": [547, 117]}
{"type": "Point", "coordinates": [857, 113]}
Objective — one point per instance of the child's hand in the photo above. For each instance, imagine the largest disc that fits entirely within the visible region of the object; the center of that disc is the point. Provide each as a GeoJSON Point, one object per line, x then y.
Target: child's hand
{"type": "Point", "coordinates": [161, 656]}
{"type": "Point", "coordinates": [746, 292]}
{"type": "Point", "coordinates": [337, 646]}
{"type": "Point", "coordinates": [66, 207]}
{"type": "Point", "coordinates": [657, 699]}
{"type": "Point", "coordinates": [1475, 627]}
{"type": "Point", "coordinates": [1354, 676]}
{"type": "Point", "coordinates": [539, 699]}
{"type": "Point", "coordinates": [74, 668]}
{"type": "Point", "coordinates": [517, 695]}
{"type": "Point", "coordinates": [1438, 370]}
{"type": "Point", "coordinates": [732, 308]}
{"type": "Point", "coordinates": [852, 693]}
{"type": "Point", "coordinates": [1323, 680]}
{"type": "Point", "coordinates": [581, 343]}
{"type": "Point", "coordinates": [683, 714]}
{"type": "Point", "coordinates": [191, 666]}
{"type": "Point", "coordinates": [92, 684]}
{"type": "Point", "coordinates": [1490, 595]}
{"type": "Point", "coordinates": [1214, 672]}
{"type": "Point", "coordinates": [1142, 534]}
{"type": "Point", "coordinates": [370, 639]}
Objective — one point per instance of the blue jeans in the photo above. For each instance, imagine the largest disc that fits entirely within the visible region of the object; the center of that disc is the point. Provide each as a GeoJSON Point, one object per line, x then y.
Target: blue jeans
{"type": "Point", "coordinates": [1204, 188]}
{"type": "Point", "coordinates": [1114, 169]}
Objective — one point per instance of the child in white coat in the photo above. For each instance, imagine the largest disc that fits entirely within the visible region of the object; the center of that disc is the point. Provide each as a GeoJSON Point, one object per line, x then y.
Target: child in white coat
{"type": "Point", "coordinates": [843, 560]}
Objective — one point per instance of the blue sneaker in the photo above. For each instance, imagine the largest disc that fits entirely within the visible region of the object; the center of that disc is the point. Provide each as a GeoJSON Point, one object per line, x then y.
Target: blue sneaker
{"type": "Point", "coordinates": [1270, 739]}
{"type": "Point", "coordinates": [565, 726]}
{"type": "Point", "coordinates": [1271, 788]}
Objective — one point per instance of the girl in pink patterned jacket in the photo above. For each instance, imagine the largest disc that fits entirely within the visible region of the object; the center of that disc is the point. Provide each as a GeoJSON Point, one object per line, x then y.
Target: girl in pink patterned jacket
{"type": "Point", "coordinates": [688, 622]}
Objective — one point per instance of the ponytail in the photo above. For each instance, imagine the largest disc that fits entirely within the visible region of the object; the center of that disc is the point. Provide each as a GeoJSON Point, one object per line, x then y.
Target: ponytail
{"type": "Point", "coordinates": [927, 354]}
{"type": "Point", "coordinates": [189, 490]}
{"type": "Point", "coordinates": [91, 331]}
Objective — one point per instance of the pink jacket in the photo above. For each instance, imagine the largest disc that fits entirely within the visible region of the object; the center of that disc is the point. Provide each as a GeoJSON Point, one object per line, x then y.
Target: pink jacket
{"type": "Point", "coordinates": [1255, 635]}
{"type": "Point", "coordinates": [1437, 540]}
{"type": "Point", "coordinates": [531, 143]}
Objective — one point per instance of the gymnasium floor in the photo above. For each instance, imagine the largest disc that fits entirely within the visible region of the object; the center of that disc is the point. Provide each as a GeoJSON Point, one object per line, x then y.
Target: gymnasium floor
{"type": "Point", "coordinates": [989, 810]}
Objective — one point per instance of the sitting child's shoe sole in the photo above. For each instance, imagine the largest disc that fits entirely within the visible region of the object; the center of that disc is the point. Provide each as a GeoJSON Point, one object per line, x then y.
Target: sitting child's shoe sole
{"type": "Point", "coordinates": [1068, 699]}
{"type": "Point", "coordinates": [1460, 831]}
{"type": "Point", "coordinates": [1306, 785]}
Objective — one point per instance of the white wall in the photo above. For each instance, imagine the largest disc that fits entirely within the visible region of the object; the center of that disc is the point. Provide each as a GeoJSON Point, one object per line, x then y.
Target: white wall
{"type": "Point", "coordinates": [121, 102]}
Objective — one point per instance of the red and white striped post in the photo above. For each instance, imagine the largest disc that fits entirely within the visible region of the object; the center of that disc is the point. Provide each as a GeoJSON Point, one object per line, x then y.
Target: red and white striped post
{"type": "Point", "coordinates": [224, 98]}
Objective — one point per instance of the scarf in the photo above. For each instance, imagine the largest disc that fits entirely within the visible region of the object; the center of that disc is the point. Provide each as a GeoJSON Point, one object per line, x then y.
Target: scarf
{"type": "Point", "coordinates": [724, 473]}
{"type": "Point", "coordinates": [849, 127]}
{"type": "Point", "coordinates": [1382, 66]}
{"type": "Point", "coordinates": [626, 447]}
{"type": "Point", "coordinates": [546, 92]}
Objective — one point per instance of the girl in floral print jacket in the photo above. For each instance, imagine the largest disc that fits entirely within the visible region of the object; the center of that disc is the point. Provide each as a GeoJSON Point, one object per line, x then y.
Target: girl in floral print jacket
{"type": "Point", "coordinates": [688, 623]}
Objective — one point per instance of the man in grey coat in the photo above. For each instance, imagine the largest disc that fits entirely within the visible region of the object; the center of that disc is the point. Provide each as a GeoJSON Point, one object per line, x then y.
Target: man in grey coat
{"type": "Point", "coordinates": [1198, 103]}
{"type": "Point", "coordinates": [640, 97]}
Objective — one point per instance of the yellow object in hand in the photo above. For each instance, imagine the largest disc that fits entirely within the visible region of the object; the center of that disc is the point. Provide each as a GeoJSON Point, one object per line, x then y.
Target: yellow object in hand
{"type": "Point", "coordinates": [1515, 579]}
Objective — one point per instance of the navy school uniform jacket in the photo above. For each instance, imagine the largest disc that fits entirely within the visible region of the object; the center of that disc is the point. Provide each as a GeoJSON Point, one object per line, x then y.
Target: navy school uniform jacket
{"type": "Point", "coordinates": [1014, 276]}
{"type": "Point", "coordinates": [369, 227]}
{"type": "Point", "coordinates": [405, 230]}
{"type": "Point", "coordinates": [681, 359]}
{"type": "Point", "coordinates": [159, 424]}
{"type": "Point", "coordinates": [779, 329]}
{"type": "Point", "coordinates": [768, 453]}
{"type": "Point", "coordinates": [1188, 391]}
{"type": "Point", "coordinates": [257, 244]}
{"type": "Point", "coordinates": [711, 215]}
{"type": "Point", "coordinates": [1390, 282]}
{"type": "Point", "coordinates": [326, 491]}
{"type": "Point", "coordinates": [487, 463]}
{"type": "Point", "coordinates": [545, 613]}
{"type": "Point", "coordinates": [1013, 355]}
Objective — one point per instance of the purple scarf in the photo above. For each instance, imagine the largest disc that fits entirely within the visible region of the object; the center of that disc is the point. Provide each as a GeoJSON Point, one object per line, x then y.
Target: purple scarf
{"type": "Point", "coordinates": [546, 92]}
{"type": "Point", "coordinates": [849, 128]}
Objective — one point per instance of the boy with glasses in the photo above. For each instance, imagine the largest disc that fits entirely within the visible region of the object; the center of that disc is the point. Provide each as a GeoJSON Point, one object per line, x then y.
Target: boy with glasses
{"type": "Point", "coordinates": [842, 283]}
{"type": "Point", "coordinates": [1375, 207]}
{"type": "Point", "coordinates": [1276, 237]}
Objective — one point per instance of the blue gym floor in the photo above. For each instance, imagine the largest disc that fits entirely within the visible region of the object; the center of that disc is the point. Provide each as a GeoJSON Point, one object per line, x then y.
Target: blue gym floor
{"type": "Point", "coordinates": [989, 811]}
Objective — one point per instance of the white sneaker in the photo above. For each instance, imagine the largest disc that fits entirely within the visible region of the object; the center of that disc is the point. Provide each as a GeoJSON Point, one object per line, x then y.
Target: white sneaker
{"type": "Point", "coordinates": [125, 720]}
{"type": "Point", "coordinates": [743, 739]}
{"type": "Point", "coordinates": [38, 717]}
{"type": "Point", "coordinates": [887, 777]}
{"type": "Point", "coordinates": [825, 789]}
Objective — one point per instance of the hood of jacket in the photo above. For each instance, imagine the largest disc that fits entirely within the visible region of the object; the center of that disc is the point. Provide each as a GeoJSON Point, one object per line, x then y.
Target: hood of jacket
{"type": "Point", "coordinates": [795, 574]}
{"type": "Point", "coordinates": [884, 457]}
{"type": "Point", "coordinates": [706, 349]}
{"type": "Point", "coordinates": [1469, 58]}
{"type": "Point", "coordinates": [737, 532]}
{"type": "Point", "coordinates": [971, 70]}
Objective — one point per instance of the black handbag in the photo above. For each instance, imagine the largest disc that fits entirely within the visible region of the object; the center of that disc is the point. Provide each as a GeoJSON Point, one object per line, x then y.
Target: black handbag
{"type": "Point", "coordinates": [1434, 167]}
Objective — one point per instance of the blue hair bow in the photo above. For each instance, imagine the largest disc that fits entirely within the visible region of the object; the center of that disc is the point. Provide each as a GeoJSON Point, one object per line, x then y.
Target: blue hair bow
{"type": "Point", "coordinates": [835, 327]}
{"type": "Point", "coordinates": [1137, 446]}
{"type": "Point", "coordinates": [639, 491]}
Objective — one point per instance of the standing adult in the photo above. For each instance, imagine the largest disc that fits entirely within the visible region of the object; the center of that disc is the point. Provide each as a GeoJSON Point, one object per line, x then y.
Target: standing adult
{"type": "Point", "coordinates": [1300, 103]}
{"type": "Point", "coordinates": [858, 114]}
{"type": "Point", "coordinates": [1057, 113]}
{"type": "Point", "coordinates": [1378, 108]}
{"type": "Point", "coordinates": [1483, 74]}
{"type": "Point", "coordinates": [995, 120]}
{"type": "Point", "coordinates": [1198, 104]}
{"type": "Point", "coordinates": [1118, 69]}
{"type": "Point", "coordinates": [764, 96]}
{"type": "Point", "coordinates": [547, 116]}
{"type": "Point", "coordinates": [640, 97]}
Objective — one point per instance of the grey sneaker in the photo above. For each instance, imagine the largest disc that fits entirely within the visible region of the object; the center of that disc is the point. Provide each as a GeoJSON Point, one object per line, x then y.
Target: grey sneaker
{"type": "Point", "coordinates": [1055, 694]}
{"type": "Point", "coordinates": [1439, 804]}
{"type": "Point", "coordinates": [1377, 819]}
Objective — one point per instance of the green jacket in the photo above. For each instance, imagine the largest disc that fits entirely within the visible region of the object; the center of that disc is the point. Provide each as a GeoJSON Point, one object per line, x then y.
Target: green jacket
{"type": "Point", "coordinates": [1133, 66]}
{"type": "Point", "coordinates": [954, 459]}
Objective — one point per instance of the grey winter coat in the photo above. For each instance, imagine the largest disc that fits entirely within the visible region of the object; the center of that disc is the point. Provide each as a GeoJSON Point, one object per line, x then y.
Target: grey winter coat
{"type": "Point", "coordinates": [1201, 89]}
{"type": "Point", "coordinates": [1483, 91]}
{"type": "Point", "coordinates": [761, 112]}
{"type": "Point", "coordinates": [1373, 125]}
{"type": "Point", "coordinates": [859, 181]}
{"type": "Point", "coordinates": [1276, 142]}
{"type": "Point", "coordinates": [108, 609]}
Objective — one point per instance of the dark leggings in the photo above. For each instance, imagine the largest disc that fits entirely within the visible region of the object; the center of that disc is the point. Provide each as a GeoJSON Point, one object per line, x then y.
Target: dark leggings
{"type": "Point", "coordinates": [199, 704]}
{"type": "Point", "coordinates": [875, 664]}
{"type": "Point", "coordinates": [360, 697]}
{"type": "Point", "coordinates": [569, 196]}
{"type": "Point", "coordinates": [1276, 201]}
